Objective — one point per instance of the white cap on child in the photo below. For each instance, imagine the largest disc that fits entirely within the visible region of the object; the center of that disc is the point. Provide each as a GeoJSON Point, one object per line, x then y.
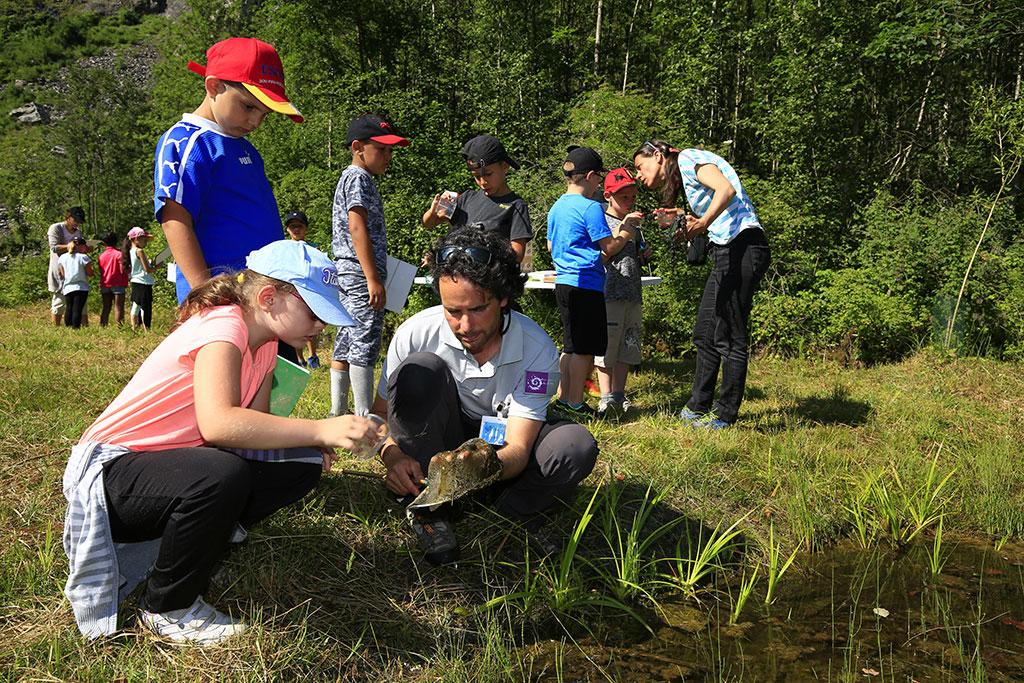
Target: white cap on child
{"type": "Point", "coordinates": [307, 269]}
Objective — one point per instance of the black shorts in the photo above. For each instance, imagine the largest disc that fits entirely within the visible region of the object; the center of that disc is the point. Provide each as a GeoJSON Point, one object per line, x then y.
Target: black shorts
{"type": "Point", "coordinates": [142, 295]}
{"type": "Point", "coordinates": [584, 320]}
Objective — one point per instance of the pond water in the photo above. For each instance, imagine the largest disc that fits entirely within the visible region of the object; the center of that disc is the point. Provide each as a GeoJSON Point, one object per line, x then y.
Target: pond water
{"type": "Point", "coordinates": [844, 614]}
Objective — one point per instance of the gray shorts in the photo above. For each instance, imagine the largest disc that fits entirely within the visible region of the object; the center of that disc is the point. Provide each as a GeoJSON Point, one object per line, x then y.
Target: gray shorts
{"type": "Point", "coordinates": [625, 330]}
{"type": "Point", "coordinates": [360, 343]}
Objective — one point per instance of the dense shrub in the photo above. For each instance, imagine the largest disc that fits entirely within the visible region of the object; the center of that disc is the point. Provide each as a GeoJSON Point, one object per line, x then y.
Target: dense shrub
{"type": "Point", "coordinates": [846, 310]}
{"type": "Point", "coordinates": [23, 280]}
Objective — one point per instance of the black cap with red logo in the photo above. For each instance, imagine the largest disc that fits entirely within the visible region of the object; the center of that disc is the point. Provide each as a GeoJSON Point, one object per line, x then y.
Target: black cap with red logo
{"type": "Point", "coordinates": [373, 127]}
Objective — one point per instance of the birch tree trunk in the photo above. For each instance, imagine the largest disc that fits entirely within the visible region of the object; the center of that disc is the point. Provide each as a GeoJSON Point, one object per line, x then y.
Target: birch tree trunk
{"type": "Point", "coordinates": [629, 44]}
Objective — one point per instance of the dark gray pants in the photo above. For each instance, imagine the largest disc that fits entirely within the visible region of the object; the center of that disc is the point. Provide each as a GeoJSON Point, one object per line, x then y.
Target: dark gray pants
{"type": "Point", "coordinates": [425, 417]}
{"type": "Point", "coordinates": [721, 330]}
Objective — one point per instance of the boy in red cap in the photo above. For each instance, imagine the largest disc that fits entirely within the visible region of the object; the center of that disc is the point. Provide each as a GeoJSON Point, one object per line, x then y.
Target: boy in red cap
{"type": "Point", "coordinates": [622, 298]}
{"type": "Point", "coordinates": [211, 195]}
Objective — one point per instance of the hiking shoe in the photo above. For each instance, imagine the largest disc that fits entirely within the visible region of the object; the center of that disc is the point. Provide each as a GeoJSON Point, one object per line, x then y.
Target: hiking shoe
{"type": "Point", "coordinates": [238, 534]}
{"type": "Point", "coordinates": [687, 415]}
{"type": "Point", "coordinates": [313, 363]}
{"type": "Point", "coordinates": [198, 623]}
{"type": "Point", "coordinates": [582, 414]}
{"type": "Point", "coordinates": [710, 421]}
{"type": "Point", "coordinates": [436, 537]}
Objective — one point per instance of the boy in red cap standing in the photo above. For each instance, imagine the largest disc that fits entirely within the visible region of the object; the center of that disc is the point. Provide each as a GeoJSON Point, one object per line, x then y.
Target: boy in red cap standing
{"type": "Point", "coordinates": [622, 297]}
{"type": "Point", "coordinates": [211, 195]}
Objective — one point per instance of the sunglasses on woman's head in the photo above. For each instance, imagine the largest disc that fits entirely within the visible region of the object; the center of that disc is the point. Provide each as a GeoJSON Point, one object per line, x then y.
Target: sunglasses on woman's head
{"type": "Point", "coordinates": [479, 255]}
{"type": "Point", "coordinates": [649, 145]}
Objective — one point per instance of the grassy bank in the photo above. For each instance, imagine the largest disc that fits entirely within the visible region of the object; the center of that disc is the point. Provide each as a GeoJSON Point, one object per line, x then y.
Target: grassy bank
{"type": "Point", "coordinates": [334, 589]}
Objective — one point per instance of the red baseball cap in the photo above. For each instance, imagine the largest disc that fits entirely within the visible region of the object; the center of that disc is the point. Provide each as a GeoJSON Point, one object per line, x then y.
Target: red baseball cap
{"type": "Point", "coordinates": [256, 66]}
{"type": "Point", "coordinates": [618, 179]}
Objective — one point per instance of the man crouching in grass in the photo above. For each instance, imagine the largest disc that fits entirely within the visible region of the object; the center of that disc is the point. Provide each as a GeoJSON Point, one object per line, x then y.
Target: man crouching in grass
{"type": "Point", "coordinates": [472, 357]}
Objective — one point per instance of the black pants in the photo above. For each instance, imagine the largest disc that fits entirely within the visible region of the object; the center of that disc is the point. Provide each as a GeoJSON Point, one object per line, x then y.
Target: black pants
{"type": "Point", "coordinates": [191, 499]}
{"type": "Point", "coordinates": [721, 330]}
{"type": "Point", "coordinates": [425, 417]}
{"type": "Point", "coordinates": [142, 296]}
{"type": "Point", "coordinates": [74, 308]}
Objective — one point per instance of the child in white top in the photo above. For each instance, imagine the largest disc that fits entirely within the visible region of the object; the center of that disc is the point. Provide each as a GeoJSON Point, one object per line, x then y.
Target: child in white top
{"type": "Point", "coordinates": [75, 269]}
{"type": "Point", "coordinates": [137, 263]}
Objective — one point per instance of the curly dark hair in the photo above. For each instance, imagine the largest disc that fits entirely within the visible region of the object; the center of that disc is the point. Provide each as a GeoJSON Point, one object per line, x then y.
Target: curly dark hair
{"type": "Point", "coordinates": [501, 277]}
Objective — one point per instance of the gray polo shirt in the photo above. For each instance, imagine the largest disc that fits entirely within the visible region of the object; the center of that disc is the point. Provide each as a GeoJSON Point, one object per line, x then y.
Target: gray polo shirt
{"type": "Point", "coordinates": [517, 382]}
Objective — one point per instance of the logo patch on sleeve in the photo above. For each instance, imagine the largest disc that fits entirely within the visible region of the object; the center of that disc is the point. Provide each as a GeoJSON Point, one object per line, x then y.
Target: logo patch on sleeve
{"type": "Point", "coordinates": [536, 382]}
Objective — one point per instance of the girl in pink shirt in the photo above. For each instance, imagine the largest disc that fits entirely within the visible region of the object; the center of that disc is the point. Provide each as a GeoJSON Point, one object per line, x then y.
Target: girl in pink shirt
{"type": "Point", "coordinates": [170, 463]}
{"type": "Point", "coordinates": [113, 280]}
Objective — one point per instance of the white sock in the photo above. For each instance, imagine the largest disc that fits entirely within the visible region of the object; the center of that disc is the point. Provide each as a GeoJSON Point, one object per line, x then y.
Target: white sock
{"type": "Point", "coordinates": [339, 392]}
{"type": "Point", "coordinates": [362, 388]}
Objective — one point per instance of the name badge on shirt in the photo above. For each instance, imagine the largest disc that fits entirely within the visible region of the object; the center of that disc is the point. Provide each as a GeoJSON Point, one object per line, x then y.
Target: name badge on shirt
{"type": "Point", "coordinates": [492, 430]}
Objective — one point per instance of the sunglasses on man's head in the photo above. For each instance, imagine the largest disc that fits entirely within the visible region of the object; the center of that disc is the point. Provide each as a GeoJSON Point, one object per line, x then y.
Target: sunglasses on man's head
{"type": "Point", "coordinates": [480, 255]}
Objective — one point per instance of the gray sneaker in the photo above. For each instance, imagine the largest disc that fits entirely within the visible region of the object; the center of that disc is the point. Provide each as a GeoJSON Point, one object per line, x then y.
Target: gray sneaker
{"type": "Point", "coordinates": [610, 409]}
{"type": "Point", "coordinates": [436, 536]}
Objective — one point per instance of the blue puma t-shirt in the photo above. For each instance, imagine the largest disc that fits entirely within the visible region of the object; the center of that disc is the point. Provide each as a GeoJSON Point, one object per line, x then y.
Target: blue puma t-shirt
{"type": "Point", "coordinates": [220, 181]}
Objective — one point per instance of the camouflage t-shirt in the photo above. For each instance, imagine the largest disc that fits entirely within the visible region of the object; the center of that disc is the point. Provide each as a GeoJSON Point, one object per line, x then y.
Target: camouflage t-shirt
{"type": "Point", "coordinates": [356, 188]}
{"type": "Point", "coordinates": [622, 272]}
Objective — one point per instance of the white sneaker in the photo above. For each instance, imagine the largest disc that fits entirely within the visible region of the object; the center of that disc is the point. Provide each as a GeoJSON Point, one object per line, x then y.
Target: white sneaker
{"type": "Point", "coordinates": [198, 623]}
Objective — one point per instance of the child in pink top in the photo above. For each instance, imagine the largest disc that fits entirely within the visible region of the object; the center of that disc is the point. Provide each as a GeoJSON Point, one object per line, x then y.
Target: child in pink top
{"type": "Point", "coordinates": [164, 462]}
{"type": "Point", "coordinates": [113, 280]}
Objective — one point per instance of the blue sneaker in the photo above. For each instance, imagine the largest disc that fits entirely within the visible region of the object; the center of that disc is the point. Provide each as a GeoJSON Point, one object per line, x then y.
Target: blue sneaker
{"type": "Point", "coordinates": [313, 363]}
{"type": "Point", "coordinates": [687, 415]}
{"type": "Point", "coordinates": [710, 421]}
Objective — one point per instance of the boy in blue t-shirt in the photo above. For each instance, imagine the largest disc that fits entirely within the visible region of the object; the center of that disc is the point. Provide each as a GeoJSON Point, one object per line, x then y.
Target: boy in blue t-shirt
{"type": "Point", "coordinates": [580, 242]}
{"type": "Point", "coordinates": [211, 195]}
{"type": "Point", "coordinates": [360, 248]}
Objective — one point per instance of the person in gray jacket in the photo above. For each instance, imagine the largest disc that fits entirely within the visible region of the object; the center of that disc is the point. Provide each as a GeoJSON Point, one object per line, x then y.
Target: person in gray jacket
{"type": "Point", "coordinates": [58, 236]}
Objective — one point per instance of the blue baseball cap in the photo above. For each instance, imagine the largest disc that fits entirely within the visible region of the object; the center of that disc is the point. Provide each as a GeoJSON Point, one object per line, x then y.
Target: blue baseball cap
{"type": "Point", "coordinates": [309, 271]}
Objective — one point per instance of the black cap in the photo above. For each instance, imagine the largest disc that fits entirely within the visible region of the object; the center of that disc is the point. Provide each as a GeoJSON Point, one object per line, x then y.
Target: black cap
{"type": "Point", "coordinates": [582, 160]}
{"type": "Point", "coordinates": [78, 239]}
{"type": "Point", "coordinates": [486, 149]}
{"type": "Point", "coordinates": [77, 213]}
{"type": "Point", "coordinates": [373, 127]}
{"type": "Point", "coordinates": [295, 216]}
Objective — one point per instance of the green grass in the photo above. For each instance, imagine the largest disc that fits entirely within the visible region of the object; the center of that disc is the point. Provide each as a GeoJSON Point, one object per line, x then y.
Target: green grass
{"type": "Point", "coordinates": [334, 587]}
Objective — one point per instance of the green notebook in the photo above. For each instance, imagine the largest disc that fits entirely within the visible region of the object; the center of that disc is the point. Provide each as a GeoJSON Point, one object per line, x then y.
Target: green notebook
{"type": "Point", "coordinates": [287, 386]}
